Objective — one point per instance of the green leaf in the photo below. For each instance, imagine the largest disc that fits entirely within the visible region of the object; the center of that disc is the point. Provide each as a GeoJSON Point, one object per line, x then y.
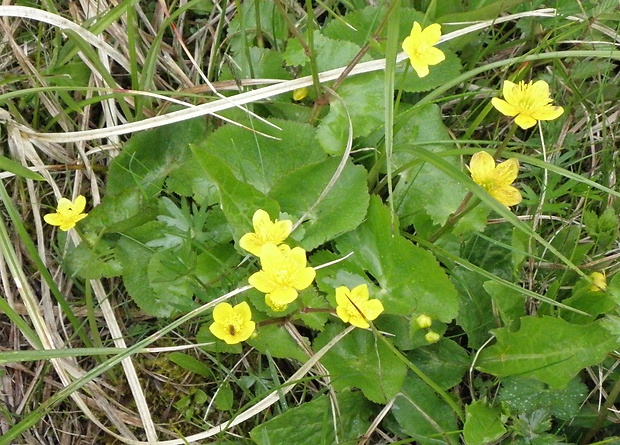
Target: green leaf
{"type": "Point", "coordinates": [421, 186]}
{"type": "Point", "coordinates": [407, 79]}
{"type": "Point", "coordinates": [91, 264]}
{"type": "Point", "coordinates": [422, 414]}
{"type": "Point", "coordinates": [360, 361]}
{"type": "Point", "coordinates": [264, 64]}
{"type": "Point", "coordinates": [276, 341]}
{"type": "Point", "coordinates": [528, 395]}
{"type": "Point", "coordinates": [409, 277]}
{"type": "Point", "coordinates": [225, 398]}
{"type": "Point", "coordinates": [446, 362]}
{"type": "Point", "coordinates": [161, 300]}
{"type": "Point", "coordinates": [548, 349]}
{"type": "Point", "coordinates": [341, 210]}
{"type": "Point", "coordinates": [483, 424]}
{"type": "Point", "coordinates": [191, 364]}
{"type": "Point", "coordinates": [257, 160]}
{"type": "Point", "coordinates": [238, 199]}
{"type": "Point", "coordinates": [362, 96]}
{"type": "Point", "coordinates": [19, 170]}
{"type": "Point", "coordinates": [312, 423]}
{"type": "Point", "coordinates": [149, 157]}
{"type": "Point", "coordinates": [294, 54]}
{"type": "Point", "coordinates": [510, 303]}
{"type": "Point", "coordinates": [360, 25]}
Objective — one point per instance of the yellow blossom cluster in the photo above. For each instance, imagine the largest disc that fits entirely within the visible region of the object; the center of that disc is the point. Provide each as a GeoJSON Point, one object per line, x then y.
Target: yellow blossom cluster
{"type": "Point", "coordinates": [68, 213]}
{"type": "Point", "coordinates": [284, 272]}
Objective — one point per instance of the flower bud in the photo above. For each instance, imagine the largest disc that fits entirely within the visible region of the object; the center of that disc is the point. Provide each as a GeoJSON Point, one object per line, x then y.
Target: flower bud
{"type": "Point", "coordinates": [432, 337]}
{"type": "Point", "coordinates": [424, 321]}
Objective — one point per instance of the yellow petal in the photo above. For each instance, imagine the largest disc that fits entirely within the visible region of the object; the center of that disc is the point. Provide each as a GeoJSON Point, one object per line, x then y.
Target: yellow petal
{"type": "Point", "coordinates": [420, 66]}
{"type": "Point", "coordinates": [416, 31]}
{"type": "Point", "coordinates": [283, 295]}
{"type": "Point", "coordinates": [524, 121]}
{"type": "Point", "coordinates": [243, 310]}
{"type": "Point", "coordinates": [431, 34]}
{"type": "Point", "coordinates": [359, 293]}
{"type": "Point", "coordinates": [246, 331]}
{"type": "Point", "coordinates": [304, 278]}
{"type": "Point", "coordinates": [79, 204]}
{"type": "Point", "coordinates": [260, 220]}
{"type": "Point", "coordinates": [372, 309]}
{"type": "Point", "coordinates": [433, 56]}
{"type": "Point", "coordinates": [271, 257]}
{"type": "Point", "coordinates": [342, 295]}
{"type": "Point", "coordinates": [342, 313]}
{"type": "Point", "coordinates": [262, 282]}
{"type": "Point", "coordinates": [506, 172]}
{"type": "Point", "coordinates": [510, 92]}
{"type": "Point", "coordinates": [251, 243]}
{"type": "Point", "coordinates": [222, 312]}
{"type": "Point", "coordinates": [482, 167]}
{"type": "Point", "coordinates": [540, 90]}
{"type": "Point", "coordinates": [504, 107]}
{"type": "Point", "coordinates": [507, 195]}
{"type": "Point", "coordinates": [53, 219]}
{"type": "Point", "coordinates": [64, 205]}
{"type": "Point", "coordinates": [358, 321]}
{"type": "Point", "coordinates": [548, 113]}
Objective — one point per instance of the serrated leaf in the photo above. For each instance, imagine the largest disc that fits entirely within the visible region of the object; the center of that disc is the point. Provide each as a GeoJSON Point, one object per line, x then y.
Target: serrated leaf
{"type": "Point", "coordinates": [422, 414]}
{"type": "Point", "coordinates": [259, 161]}
{"type": "Point", "coordinates": [341, 210]}
{"type": "Point", "coordinates": [548, 349]}
{"type": "Point", "coordinates": [410, 278]}
{"type": "Point", "coordinates": [135, 259]}
{"type": "Point", "coordinates": [312, 423]}
{"type": "Point", "coordinates": [359, 25]}
{"type": "Point", "coordinates": [422, 187]}
{"type": "Point", "coordinates": [149, 157]}
{"type": "Point", "coordinates": [238, 199]}
{"type": "Point", "coordinates": [483, 424]}
{"type": "Point", "coordinates": [361, 361]}
{"type": "Point", "coordinates": [88, 264]}
{"type": "Point", "coordinates": [528, 395]}
{"type": "Point", "coordinates": [362, 96]}
{"type": "Point", "coordinates": [294, 54]}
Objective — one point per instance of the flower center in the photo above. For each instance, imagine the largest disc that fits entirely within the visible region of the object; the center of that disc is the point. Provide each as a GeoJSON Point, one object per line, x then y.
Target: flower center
{"type": "Point", "coordinates": [234, 323]}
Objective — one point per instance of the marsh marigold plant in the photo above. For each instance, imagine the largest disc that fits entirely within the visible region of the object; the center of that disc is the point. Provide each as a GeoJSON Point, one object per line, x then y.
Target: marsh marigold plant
{"type": "Point", "coordinates": [265, 232]}
{"type": "Point", "coordinates": [528, 103]}
{"type": "Point", "coordinates": [284, 273]}
{"type": "Point", "coordinates": [68, 213]}
{"type": "Point", "coordinates": [233, 324]}
{"type": "Point", "coordinates": [420, 47]}
{"type": "Point", "coordinates": [355, 307]}
{"type": "Point", "coordinates": [496, 179]}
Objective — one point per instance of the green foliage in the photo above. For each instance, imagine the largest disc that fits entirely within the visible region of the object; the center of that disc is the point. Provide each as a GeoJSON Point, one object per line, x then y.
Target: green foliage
{"type": "Point", "coordinates": [548, 349]}
{"type": "Point", "coordinates": [315, 422]}
{"type": "Point", "coordinates": [425, 240]}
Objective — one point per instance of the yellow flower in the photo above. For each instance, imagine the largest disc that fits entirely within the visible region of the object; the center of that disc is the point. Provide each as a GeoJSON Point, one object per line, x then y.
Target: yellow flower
{"type": "Point", "coordinates": [354, 306]}
{"type": "Point", "coordinates": [300, 93]}
{"type": "Point", "coordinates": [232, 324]}
{"type": "Point", "coordinates": [67, 213]}
{"type": "Point", "coordinates": [494, 179]}
{"type": "Point", "coordinates": [599, 282]}
{"type": "Point", "coordinates": [265, 232]}
{"type": "Point", "coordinates": [419, 46]}
{"type": "Point", "coordinates": [275, 307]}
{"type": "Point", "coordinates": [284, 273]}
{"type": "Point", "coordinates": [529, 102]}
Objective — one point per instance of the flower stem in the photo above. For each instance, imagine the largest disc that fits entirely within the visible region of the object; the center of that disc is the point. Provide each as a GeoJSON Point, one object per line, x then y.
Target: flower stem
{"type": "Point", "coordinates": [502, 147]}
